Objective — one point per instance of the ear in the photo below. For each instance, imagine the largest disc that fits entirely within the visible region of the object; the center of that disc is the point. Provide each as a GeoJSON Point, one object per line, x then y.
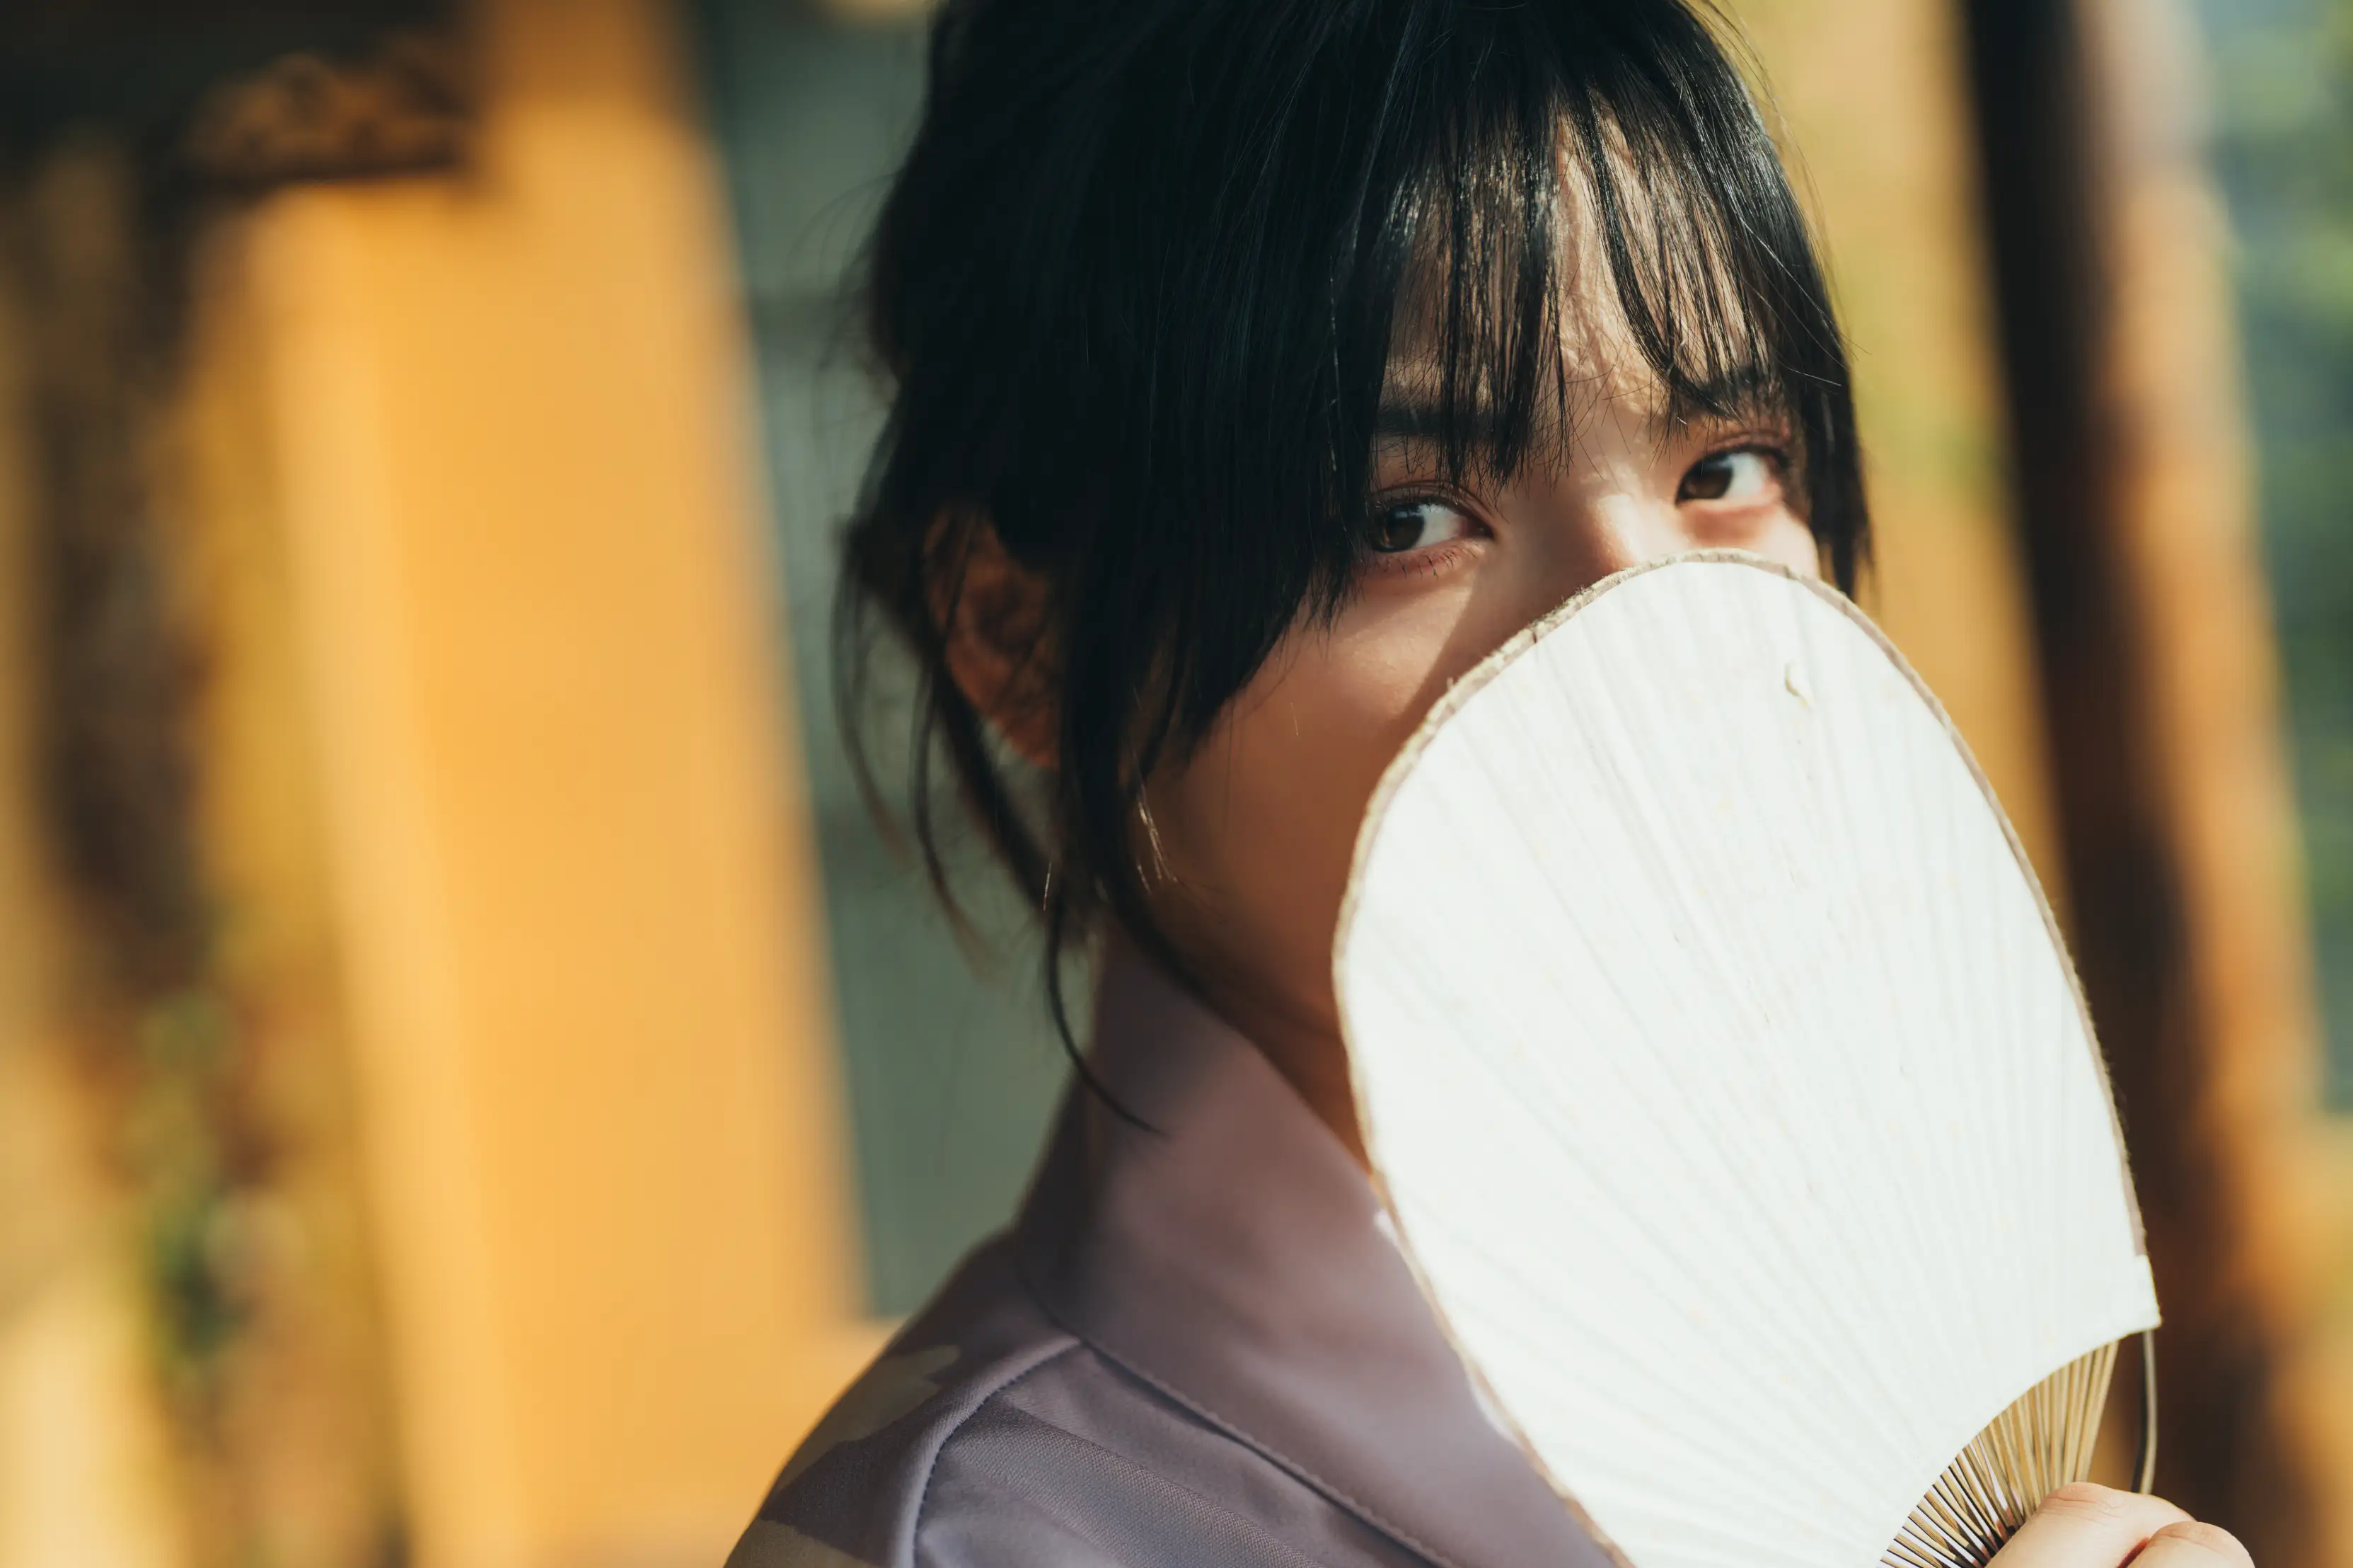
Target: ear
{"type": "Point", "coordinates": [993, 617]}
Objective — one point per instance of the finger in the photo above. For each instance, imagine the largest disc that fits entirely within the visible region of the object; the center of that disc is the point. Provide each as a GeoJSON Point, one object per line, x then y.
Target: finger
{"type": "Point", "coordinates": [2193, 1546]}
{"type": "Point", "coordinates": [2085, 1526]}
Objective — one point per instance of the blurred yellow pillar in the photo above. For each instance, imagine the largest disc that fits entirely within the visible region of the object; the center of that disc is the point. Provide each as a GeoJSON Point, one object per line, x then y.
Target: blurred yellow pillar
{"type": "Point", "coordinates": [1869, 100]}
{"type": "Point", "coordinates": [574, 880]}
{"type": "Point", "coordinates": [85, 1466]}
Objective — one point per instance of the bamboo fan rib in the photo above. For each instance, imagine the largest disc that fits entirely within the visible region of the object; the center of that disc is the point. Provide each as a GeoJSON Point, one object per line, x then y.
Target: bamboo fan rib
{"type": "Point", "coordinates": [1729, 1090]}
{"type": "Point", "coordinates": [2040, 1443]}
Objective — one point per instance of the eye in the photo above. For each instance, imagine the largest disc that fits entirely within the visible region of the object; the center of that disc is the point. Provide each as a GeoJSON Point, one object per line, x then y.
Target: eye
{"type": "Point", "coordinates": [1740, 475]}
{"type": "Point", "coordinates": [1402, 526]}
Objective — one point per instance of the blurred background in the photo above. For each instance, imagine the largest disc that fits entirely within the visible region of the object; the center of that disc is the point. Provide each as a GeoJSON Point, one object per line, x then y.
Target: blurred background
{"type": "Point", "coordinates": [473, 1083]}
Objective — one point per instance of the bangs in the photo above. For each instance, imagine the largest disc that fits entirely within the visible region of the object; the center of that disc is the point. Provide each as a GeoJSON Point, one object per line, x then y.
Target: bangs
{"type": "Point", "coordinates": [1556, 189]}
{"type": "Point", "coordinates": [1150, 270]}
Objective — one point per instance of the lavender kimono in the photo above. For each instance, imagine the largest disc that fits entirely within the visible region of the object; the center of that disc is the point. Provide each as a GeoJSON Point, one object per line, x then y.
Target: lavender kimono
{"type": "Point", "coordinates": [1198, 1345]}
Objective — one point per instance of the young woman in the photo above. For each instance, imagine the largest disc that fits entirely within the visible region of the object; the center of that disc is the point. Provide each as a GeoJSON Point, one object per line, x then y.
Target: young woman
{"type": "Point", "coordinates": [1260, 365]}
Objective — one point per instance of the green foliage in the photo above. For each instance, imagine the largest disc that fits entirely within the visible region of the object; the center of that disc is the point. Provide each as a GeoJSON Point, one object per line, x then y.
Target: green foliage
{"type": "Point", "coordinates": [179, 1128]}
{"type": "Point", "coordinates": [2281, 72]}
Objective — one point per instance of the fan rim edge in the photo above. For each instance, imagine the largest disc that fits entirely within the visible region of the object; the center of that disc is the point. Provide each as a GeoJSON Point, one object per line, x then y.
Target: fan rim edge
{"type": "Point", "coordinates": [1450, 703]}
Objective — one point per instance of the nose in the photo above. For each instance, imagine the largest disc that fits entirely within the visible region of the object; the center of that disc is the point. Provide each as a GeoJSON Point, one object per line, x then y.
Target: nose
{"type": "Point", "coordinates": [1646, 528]}
{"type": "Point", "coordinates": [1615, 529]}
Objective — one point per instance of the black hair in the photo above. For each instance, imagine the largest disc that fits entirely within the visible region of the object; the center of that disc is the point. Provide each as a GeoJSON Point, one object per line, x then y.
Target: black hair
{"type": "Point", "coordinates": [1136, 288]}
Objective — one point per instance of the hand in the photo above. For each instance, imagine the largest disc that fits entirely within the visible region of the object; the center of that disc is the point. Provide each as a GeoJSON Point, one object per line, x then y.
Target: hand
{"type": "Point", "coordinates": [2085, 1526]}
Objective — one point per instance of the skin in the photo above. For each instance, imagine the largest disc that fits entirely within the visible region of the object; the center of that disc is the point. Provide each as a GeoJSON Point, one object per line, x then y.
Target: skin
{"type": "Point", "coordinates": [1256, 830]}
{"type": "Point", "coordinates": [2086, 1526]}
{"type": "Point", "coordinates": [1250, 838]}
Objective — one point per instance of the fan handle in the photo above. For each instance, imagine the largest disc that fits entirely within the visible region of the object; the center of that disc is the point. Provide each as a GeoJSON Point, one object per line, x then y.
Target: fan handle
{"type": "Point", "coordinates": [2145, 1472]}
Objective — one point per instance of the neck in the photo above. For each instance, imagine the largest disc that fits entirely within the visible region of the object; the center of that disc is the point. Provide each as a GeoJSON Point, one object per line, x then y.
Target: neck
{"type": "Point", "coordinates": [1310, 1055]}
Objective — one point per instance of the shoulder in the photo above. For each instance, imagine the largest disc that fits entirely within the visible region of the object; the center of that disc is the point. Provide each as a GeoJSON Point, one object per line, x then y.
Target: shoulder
{"type": "Point", "coordinates": [851, 1495]}
{"type": "Point", "coordinates": [986, 1436]}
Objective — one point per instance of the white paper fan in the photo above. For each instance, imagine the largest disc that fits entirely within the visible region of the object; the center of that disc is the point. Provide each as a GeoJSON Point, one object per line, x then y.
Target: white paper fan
{"type": "Point", "coordinates": [1729, 1087]}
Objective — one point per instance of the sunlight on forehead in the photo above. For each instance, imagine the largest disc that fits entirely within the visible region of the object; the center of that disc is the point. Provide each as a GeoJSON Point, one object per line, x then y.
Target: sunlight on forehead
{"type": "Point", "coordinates": [1594, 355]}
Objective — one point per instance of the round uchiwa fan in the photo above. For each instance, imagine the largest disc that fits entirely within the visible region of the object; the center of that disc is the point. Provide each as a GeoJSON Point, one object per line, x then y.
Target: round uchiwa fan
{"type": "Point", "coordinates": [1729, 1088]}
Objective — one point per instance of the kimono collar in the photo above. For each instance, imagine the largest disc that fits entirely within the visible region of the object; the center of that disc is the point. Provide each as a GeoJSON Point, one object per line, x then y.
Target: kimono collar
{"type": "Point", "coordinates": [1233, 1254]}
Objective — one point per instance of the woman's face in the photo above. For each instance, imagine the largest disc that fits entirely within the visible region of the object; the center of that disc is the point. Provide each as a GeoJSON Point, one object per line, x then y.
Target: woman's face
{"type": "Point", "coordinates": [1256, 830]}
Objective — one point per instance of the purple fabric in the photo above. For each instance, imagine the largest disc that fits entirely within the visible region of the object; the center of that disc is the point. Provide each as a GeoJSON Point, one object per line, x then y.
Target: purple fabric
{"type": "Point", "coordinates": [1198, 1345]}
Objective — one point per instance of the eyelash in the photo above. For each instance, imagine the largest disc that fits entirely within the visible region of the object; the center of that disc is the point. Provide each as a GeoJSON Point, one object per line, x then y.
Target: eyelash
{"type": "Point", "coordinates": [1429, 562]}
{"type": "Point", "coordinates": [1775, 458]}
{"type": "Point", "coordinates": [1433, 560]}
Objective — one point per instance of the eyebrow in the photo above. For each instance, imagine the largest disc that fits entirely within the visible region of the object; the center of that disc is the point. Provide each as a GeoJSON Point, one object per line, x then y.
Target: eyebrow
{"type": "Point", "coordinates": [1746, 389]}
{"type": "Point", "coordinates": [1421, 418]}
{"type": "Point", "coordinates": [1428, 420]}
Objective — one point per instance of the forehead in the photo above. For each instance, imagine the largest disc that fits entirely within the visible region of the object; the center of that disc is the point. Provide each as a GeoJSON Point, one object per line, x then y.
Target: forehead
{"type": "Point", "coordinates": [1591, 355]}
{"type": "Point", "coordinates": [1463, 332]}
